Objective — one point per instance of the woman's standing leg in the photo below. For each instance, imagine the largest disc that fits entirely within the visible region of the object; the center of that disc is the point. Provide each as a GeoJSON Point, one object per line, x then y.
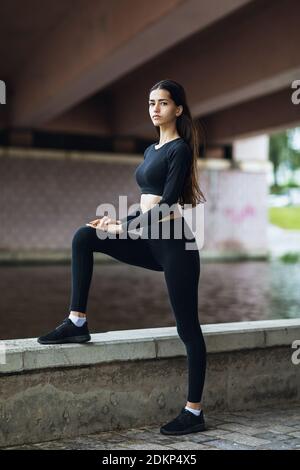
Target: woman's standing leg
{"type": "Point", "coordinates": [182, 272]}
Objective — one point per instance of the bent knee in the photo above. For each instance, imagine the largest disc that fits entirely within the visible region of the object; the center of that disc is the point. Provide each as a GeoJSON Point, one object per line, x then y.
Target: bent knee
{"type": "Point", "coordinates": [83, 235]}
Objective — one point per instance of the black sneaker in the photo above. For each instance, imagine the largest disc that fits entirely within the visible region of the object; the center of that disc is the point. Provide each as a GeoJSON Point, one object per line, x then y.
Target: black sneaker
{"type": "Point", "coordinates": [67, 332]}
{"type": "Point", "coordinates": [185, 423]}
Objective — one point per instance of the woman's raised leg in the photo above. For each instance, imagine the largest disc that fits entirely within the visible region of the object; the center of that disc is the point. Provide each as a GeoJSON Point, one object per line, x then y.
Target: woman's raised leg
{"type": "Point", "coordinates": [134, 251]}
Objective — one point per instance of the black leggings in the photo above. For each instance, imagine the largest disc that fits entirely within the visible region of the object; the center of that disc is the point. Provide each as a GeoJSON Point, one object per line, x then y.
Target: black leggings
{"type": "Point", "coordinates": [181, 269]}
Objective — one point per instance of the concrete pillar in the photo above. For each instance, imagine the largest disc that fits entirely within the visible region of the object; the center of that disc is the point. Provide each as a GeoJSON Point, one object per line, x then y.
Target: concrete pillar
{"type": "Point", "coordinates": [253, 148]}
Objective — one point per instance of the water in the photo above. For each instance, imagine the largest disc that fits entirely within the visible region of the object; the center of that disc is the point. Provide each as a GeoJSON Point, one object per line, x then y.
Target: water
{"type": "Point", "coordinates": [35, 299]}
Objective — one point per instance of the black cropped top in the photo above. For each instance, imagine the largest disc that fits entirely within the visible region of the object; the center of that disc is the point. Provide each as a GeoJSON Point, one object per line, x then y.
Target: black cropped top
{"type": "Point", "coordinates": [162, 173]}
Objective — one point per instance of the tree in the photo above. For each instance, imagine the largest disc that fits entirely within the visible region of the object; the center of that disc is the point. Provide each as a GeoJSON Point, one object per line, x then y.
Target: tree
{"type": "Point", "coordinates": [281, 150]}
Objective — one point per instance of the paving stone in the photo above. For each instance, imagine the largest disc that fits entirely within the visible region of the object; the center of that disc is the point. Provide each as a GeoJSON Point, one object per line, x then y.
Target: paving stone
{"type": "Point", "coordinates": [245, 439]}
{"type": "Point", "coordinates": [278, 445]}
{"type": "Point", "coordinates": [233, 419]}
{"type": "Point", "coordinates": [294, 434]}
{"type": "Point", "coordinates": [244, 429]}
{"type": "Point", "coordinates": [21, 447]}
{"type": "Point", "coordinates": [280, 428]}
{"type": "Point", "coordinates": [294, 443]}
{"type": "Point", "coordinates": [271, 436]}
{"type": "Point", "coordinates": [197, 437]}
{"type": "Point", "coordinates": [228, 445]}
{"type": "Point", "coordinates": [296, 427]}
{"type": "Point", "coordinates": [189, 445]}
{"type": "Point", "coordinates": [263, 428]}
{"type": "Point", "coordinates": [216, 433]}
{"type": "Point", "coordinates": [144, 446]}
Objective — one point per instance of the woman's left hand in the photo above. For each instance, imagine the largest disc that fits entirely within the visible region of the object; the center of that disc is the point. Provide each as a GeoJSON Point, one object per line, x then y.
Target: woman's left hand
{"type": "Point", "coordinates": [110, 228]}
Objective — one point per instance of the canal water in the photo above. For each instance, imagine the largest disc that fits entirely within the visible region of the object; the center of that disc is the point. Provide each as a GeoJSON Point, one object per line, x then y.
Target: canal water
{"type": "Point", "coordinates": [35, 299]}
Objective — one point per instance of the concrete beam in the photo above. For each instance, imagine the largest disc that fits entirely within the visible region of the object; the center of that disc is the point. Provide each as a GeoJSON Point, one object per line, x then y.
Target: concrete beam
{"type": "Point", "coordinates": [248, 55]}
{"type": "Point", "coordinates": [93, 47]}
{"type": "Point", "coordinates": [264, 115]}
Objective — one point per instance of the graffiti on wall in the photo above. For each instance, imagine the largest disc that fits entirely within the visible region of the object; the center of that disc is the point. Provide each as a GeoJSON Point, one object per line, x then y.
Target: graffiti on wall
{"type": "Point", "coordinates": [239, 215]}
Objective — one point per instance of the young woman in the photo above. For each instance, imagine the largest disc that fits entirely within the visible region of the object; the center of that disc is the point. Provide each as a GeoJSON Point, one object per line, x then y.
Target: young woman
{"type": "Point", "coordinates": [167, 175]}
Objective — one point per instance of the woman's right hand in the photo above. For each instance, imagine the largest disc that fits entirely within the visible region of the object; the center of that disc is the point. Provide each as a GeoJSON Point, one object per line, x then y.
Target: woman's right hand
{"type": "Point", "coordinates": [101, 223]}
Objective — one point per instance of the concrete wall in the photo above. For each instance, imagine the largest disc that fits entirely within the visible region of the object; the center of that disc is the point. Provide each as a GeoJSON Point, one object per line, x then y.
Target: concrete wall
{"type": "Point", "coordinates": [130, 378]}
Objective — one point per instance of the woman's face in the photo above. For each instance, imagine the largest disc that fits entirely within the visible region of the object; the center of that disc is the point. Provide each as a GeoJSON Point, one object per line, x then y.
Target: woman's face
{"type": "Point", "coordinates": [162, 108]}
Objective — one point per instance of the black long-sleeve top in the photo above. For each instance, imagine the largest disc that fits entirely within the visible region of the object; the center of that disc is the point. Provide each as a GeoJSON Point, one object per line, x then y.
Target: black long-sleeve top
{"type": "Point", "coordinates": [162, 172]}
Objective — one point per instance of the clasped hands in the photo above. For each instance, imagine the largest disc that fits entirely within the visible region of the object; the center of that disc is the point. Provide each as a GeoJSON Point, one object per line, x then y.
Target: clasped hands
{"type": "Point", "coordinates": [107, 225]}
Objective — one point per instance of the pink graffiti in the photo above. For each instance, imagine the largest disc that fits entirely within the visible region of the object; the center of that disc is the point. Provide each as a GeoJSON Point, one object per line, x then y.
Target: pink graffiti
{"type": "Point", "coordinates": [239, 215]}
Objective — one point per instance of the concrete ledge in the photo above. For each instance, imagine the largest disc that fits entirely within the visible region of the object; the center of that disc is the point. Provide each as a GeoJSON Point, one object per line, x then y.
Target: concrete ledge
{"type": "Point", "coordinates": [45, 257]}
{"type": "Point", "coordinates": [63, 257]}
{"type": "Point", "coordinates": [150, 343]}
{"type": "Point", "coordinates": [130, 378]}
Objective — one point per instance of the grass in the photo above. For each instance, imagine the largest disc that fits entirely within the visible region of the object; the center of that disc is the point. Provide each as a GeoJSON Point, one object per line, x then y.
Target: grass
{"type": "Point", "coordinates": [290, 257]}
{"type": "Point", "coordinates": [285, 217]}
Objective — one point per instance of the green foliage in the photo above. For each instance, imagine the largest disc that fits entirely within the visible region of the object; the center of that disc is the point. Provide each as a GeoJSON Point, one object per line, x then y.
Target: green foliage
{"type": "Point", "coordinates": [283, 188]}
{"type": "Point", "coordinates": [281, 150]}
{"type": "Point", "coordinates": [290, 257]}
{"type": "Point", "coordinates": [276, 189]}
